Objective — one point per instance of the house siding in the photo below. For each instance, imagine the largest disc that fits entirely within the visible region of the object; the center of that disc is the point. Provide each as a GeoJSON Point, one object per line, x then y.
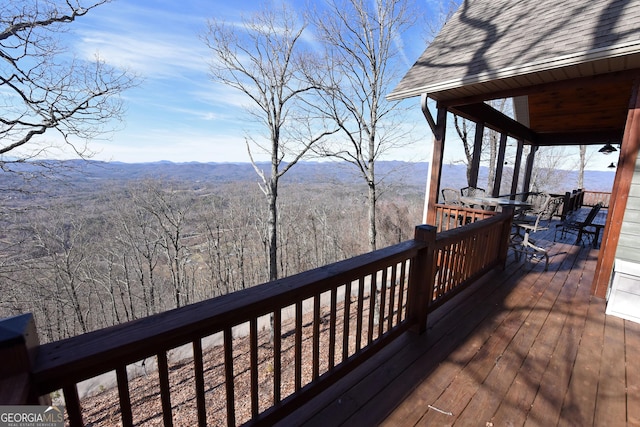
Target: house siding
{"type": "Point", "coordinates": [629, 244]}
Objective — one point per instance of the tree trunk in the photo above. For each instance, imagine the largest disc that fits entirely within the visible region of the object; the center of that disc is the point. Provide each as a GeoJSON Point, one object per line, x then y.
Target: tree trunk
{"type": "Point", "coordinates": [272, 225]}
{"type": "Point", "coordinates": [372, 215]}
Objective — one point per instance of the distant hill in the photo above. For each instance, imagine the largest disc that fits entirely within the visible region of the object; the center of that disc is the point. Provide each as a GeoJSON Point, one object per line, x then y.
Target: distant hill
{"type": "Point", "coordinates": [393, 173]}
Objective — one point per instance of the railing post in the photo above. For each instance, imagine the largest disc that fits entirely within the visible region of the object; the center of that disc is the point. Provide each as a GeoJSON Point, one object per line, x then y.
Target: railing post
{"type": "Point", "coordinates": [422, 278]}
{"type": "Point", "coordinates": [18, 345]}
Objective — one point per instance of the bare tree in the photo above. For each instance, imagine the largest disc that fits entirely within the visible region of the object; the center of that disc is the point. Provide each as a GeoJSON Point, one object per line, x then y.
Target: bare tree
{"type": "Point", "coordinates": [361, 39]}
{"type": "Point", "coordinates": [265, 58]}
{"type": "Point", "coordinates": [42, 90]}
{"type": "Point", "coordinates": [582, 165]}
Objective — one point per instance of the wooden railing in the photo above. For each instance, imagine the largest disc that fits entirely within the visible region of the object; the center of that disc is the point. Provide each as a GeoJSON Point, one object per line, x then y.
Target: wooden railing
{"type": "Point", "coordinates": [301, 333]}
{"type": "Point", "coordinates": [592, 198]}
{"type": "Point", "coordinates": [449, 217]}
{"type": "Point", "coordinates": [571, 202]}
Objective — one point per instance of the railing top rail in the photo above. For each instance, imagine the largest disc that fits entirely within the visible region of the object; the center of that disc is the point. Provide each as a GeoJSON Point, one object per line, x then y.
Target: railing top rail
{"type": "Point", "coordinates": [448, 236]}
{"type": "Point", "coordinates": [96, 352]}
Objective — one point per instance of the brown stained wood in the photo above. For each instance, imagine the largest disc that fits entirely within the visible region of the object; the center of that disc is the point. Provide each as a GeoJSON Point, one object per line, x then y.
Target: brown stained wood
{"type": "Point", "coordinates": [619, 194]}
{"type": "Point", "coordinates": [359, 311]}
{"type": "Point", "coordinates": [165, 389]}
{"type": "Point", "coordinates": [584, 108]}
{"type": "Point", "coordinates": [332, 329]}
{"type": "Point", "coordinates": [316, 339]}
{"type": "Point", "coordinates": [522, 391]}
{"type": "Point", "coordinates": [496, 356]}
{"type": "Point", "coordinates": [521, 363]}
{"type": "Point", "coordinates": [253, 365]}
{"type": "Point", "coordinates": [611, 399]}
{"type": "Point", "coordinates": [298, 348]}
{"type": "Point", "coordinates": [72, 405]}
{"type": "Point", "coordinates": [458, 325]}
{"type": "Point", "coordinates": [547, 405]}
{"type": "Point", "coordinates": [435, 173]}
{"type": "Point", "coordinates": [277, 359]}
{"type": "Point", "coordinates": [547, 335]}
{"type": "Point", "coordinates": [78, 358]}
{"type": "Point", "coordinates": [345, 324]}
{"type": "Point", "coordinates": [632, 344]}
{"type": "Point", "coordinates": [198, 367]}
{"type": "Point", "coordinates": [401, 288]}
{"type": "Point", "coordinates": [383, 300]}
{"type": "Point", "coordinates": [392, 295]}
{"type": "Point", "coordinates": [373, 299]}
{"type": "Point", "coordinates": [123, 395]}
{"type": "Point", "coordinates": [580, 398]}
{"type": "Point", "coordinates": [228, 374]}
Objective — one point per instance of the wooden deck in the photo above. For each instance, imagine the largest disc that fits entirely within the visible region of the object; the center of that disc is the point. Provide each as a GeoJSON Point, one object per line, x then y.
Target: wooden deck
{"type": "Point", "coordinates": [522, 347]}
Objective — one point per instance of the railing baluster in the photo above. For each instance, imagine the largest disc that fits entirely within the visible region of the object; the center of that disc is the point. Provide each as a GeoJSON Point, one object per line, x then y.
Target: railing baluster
{"type": "Point", "coordinates": [392, 295]}
{"type": "Point", "coordinates": [198, 367]}
{"type": "Point", "coordinates": [253, 365]}
{"type": "Point", "coordinates": [383, 301]}
{"type": "Point", "coordinates": [359, 314]}
{"type": "Point", "coordinates": [72, 402]}
{"type": "Point", "coordinates": [346, 322]}
{"type": "Point", "coordinates": [372, 309]}
{"type": "Point", "coordinates": [401, 291]}
{"type": "Point", "coordinates": [165, 391]}
{"type": "Point", "coordinates": [277, 359]}
{"type": "Point", "coordinates": [332, 328]}
{"type": "Point", "coordinates": [229, 377]}
{"type": "Point", "coordinates": [123, 394]}
{"type": "Point", "coordinates": [316, 338]}
{"type": "Point", "coordinates": [298, 347]}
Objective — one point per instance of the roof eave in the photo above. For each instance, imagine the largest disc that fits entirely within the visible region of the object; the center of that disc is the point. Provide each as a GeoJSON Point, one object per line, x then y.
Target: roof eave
{"type": "Point", "coordinates": [566, 61]}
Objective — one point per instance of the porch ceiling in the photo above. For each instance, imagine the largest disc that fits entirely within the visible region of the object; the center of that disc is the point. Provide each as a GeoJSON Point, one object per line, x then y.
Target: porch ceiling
{"type": "Point", "coordinates": [588, 110]}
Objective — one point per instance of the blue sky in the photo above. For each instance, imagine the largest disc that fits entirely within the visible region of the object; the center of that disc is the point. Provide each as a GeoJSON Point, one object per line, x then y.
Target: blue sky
{"type": "Point", "coordinates": [178, 113]}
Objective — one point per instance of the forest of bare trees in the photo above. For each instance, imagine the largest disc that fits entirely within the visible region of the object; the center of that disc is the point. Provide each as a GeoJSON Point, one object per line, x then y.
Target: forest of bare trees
{"type": "Point", "coordinates": [82, 259]}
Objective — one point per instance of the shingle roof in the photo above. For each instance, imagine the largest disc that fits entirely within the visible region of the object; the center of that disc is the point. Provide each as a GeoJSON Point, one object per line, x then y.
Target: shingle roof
{"type": "Point", "coordinates": [526, 42]}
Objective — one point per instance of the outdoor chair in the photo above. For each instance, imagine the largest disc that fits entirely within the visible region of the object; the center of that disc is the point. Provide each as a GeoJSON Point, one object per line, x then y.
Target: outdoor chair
{"type": "Point", "coordinates": [451, 196]}
{"type": "Point", "coordinates": [537, 201]}
{"type": "Point", "coordinates": [523, 243]}
{"type": "Point", "coordinates": [473, 192]}
{"type": "Point", "coordinates": [580, 228]}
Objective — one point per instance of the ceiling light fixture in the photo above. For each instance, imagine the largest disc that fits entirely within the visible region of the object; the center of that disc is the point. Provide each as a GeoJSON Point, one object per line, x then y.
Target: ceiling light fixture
{"type": "Point", "coordinates": [607, 149]}
{"type": "Point", "coordinates": [611, 166]}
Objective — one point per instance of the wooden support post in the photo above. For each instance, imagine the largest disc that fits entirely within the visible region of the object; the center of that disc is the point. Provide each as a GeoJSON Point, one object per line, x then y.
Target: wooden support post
{"type": "Point", "coordinates": [477, 152]}
{"type": "Point", "coordinates": [18, 346]}
{"type": "Point", "coordinates": [435, 166]}
{"type": "Point", "coordinates": [502, 148]}
{"type": "Point", "coordinates": [620, 193]}
{"type": "Point", "coordinates": [506, 235]}
{"type": "Point", "coordinates": [421, 278]}
{"type": "Point", "coordinates": [528, 171]}
{"type": "Point", "coordinates": [516, 169]}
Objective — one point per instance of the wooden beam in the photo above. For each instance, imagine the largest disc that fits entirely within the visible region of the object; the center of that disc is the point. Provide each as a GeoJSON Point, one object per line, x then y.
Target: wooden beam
{"type": "Point", "coordinates": [428, 116]}
{"type": "Point", "coordinates": [619, 195]}
{"type": "Point", "coordinates": [495, 120]}
{"type": "Point", "coordinates": [516, 168]}
{"type": "Point", "coordinates": [433, 184]}
{"type": "Point", "coordinates": [543, 87]}
{"type": "Point", "coordinates": [579, 138]}
{"type": "Point", "coordinates": [502, 148]}
{"type": "Point", "coordinates": [477, 152]}
{"type": "Point", "coordinates": [528, 171]}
